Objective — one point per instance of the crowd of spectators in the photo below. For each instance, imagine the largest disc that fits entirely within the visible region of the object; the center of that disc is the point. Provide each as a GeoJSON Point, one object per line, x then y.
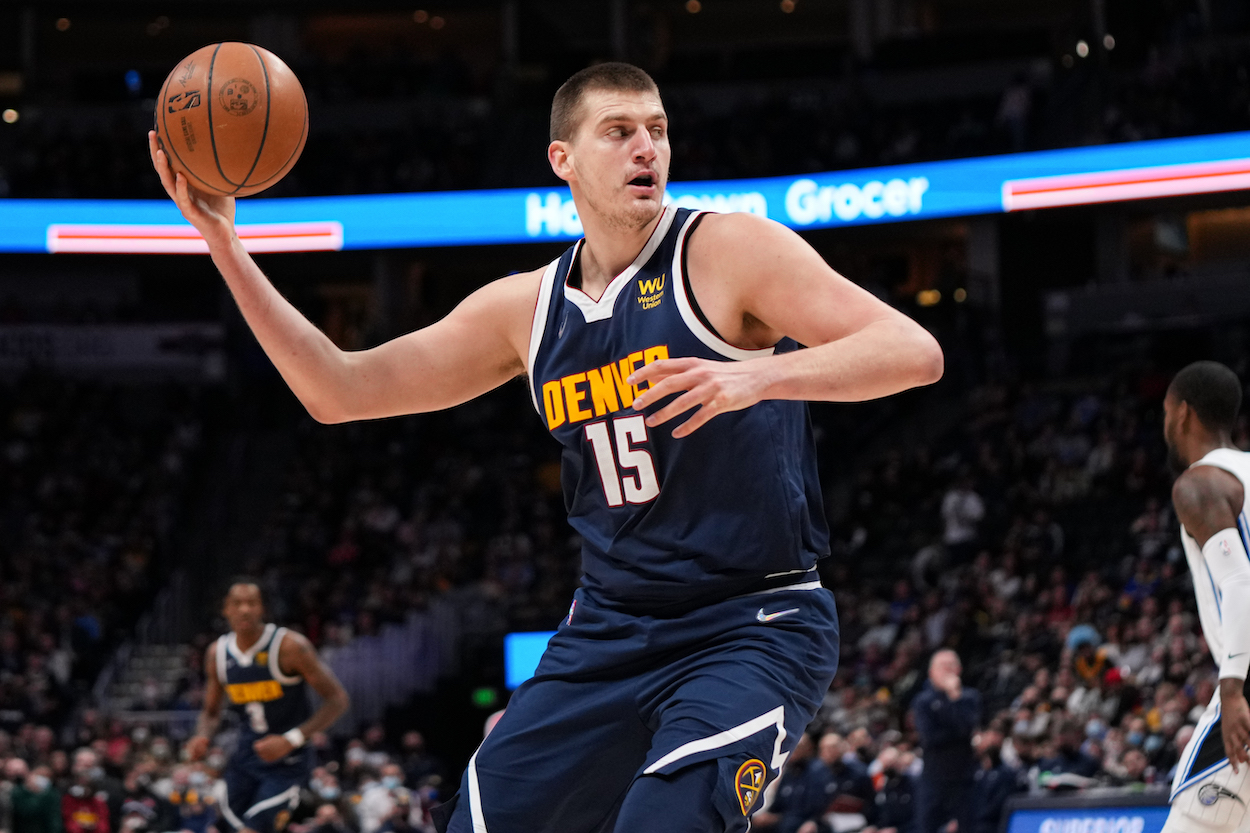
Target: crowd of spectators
{"type": "Point", "coordinates": [421, 125]}
{"type": "Point", "coordinates": [107, 777]}
{"type": "Point", "coordinates": [92, 482]}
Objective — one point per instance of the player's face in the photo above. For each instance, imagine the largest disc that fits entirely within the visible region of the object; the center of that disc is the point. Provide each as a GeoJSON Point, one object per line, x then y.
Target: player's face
{"type": "Point", "coordinates": [619, 157]}
{"type": "Point", "coordinates": [243, 609]}
{"type": "Point", "coordinates": [1171, 432]}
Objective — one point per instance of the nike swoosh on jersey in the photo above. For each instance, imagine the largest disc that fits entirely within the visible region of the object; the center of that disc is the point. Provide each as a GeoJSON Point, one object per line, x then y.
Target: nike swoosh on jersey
{"type": "Point", "coordinates": [768, 617]}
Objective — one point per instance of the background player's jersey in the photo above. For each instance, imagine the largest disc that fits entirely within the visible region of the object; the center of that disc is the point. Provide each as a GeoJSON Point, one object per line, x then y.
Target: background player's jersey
{"type": "Point", "coordinates": [667, 521]}
{"type": "Point", "coordinates": [1236, 463]}
{"type": "Point", "coordinates": [269, 701]}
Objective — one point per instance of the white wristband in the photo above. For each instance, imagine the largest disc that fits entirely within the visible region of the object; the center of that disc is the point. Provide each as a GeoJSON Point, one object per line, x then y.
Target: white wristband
{"type": "Point", "coordinates": [294, 737]}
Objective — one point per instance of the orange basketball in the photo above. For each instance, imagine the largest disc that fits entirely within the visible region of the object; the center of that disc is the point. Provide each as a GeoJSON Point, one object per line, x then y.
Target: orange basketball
{"type": "Point", "coordinates": [232, 118]}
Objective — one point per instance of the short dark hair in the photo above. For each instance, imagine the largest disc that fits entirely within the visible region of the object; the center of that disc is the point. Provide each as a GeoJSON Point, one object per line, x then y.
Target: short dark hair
{"type": "Point", "coordinates": [234, 581]}
{"type": "Point", "coordinates": [613, 76]}
{"type": "Point", "coordinates": [1212, 390]}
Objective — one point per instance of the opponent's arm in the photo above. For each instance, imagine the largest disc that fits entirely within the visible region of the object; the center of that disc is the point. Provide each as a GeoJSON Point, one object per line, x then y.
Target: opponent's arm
{"type": "Point", "coordinates": [210, 715]}
{"type": "Point", "coordinates": [859, 347]}
{"type": "Point", "coordinates": [298, 658]}
{"type": "Point", "coordinates": [476, 348]}
{"type": "Point", "coordinates": [1208, 501]}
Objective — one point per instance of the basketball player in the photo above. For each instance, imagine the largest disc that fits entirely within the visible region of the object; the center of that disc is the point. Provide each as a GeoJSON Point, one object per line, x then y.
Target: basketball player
{"type": "Point", "coordinates": [1212, 498]}
{"type": "Point", "coordinates": [263, 671]}
{"type": "Point", "coordinates": [701, 641]}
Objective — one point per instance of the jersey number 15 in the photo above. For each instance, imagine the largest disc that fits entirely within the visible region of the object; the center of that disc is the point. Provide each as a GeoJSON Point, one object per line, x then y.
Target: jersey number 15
{"type": "Point", "coordinates": [619, 484]}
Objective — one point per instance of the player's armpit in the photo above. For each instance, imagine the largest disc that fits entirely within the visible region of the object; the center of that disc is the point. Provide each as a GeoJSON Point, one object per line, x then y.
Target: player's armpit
{"type": "Point", "coordinates": [1207, 499]}
{"type": "Point", "coordinates": [480, 345]}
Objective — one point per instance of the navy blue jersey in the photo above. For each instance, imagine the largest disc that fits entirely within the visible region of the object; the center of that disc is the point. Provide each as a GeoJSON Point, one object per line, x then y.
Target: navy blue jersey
{"type": "Point", "coordinates": [268, 701]}
{"type": "Point", "coordinates": [667, 521]}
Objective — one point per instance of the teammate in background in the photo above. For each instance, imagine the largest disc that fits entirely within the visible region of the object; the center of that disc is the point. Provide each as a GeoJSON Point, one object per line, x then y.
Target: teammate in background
{"type": "Point", "coordinates": [263, 672]}
{"type": "Point", "coordinates": [1212, 783]}
{"type": "Point", "coordinates": [701, 641]}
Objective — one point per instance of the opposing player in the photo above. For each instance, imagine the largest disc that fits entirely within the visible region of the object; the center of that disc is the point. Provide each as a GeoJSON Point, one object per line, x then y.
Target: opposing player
{"type": "Point", "coordinates": [263, 672]}
{"type": "Point", "coordinates": [1212, 498]}
{"type": "Point", "coordinates": [701, 641]}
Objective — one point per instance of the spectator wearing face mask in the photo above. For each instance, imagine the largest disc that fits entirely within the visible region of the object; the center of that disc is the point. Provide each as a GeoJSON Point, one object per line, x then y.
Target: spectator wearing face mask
{"type": "Point", "coordinates": [84, 806]}
{"type": "Point", "coordinates": [36, 803]}
{"type": "Point", "coordinates": [377, 797]}
{"type": "Point", "coordinates": [192, 800]}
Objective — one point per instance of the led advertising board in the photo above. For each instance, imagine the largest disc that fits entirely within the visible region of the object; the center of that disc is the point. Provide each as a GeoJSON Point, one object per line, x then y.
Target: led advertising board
{"type": "Point", "coordinates": [952, 188]}
{"type": "Point", "coordinates": [521, 652]}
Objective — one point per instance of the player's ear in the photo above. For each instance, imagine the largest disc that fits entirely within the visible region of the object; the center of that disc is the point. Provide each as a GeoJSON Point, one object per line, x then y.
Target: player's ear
{"type": "Point", "coordinates": [560, 155]}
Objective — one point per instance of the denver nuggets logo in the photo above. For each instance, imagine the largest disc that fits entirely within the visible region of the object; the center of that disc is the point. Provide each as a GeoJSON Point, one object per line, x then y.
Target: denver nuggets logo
{"type": "Point", "coordinates": [749, 782]}
{"type": "Point", "coordinates": [262, 658]}
{"type": "Point", "coordinates": [651, 291]}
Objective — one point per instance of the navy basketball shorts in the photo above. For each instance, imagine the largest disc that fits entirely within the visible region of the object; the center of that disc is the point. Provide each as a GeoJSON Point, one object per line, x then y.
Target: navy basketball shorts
{"type": "Point", "coordinates": [663, 724]}
{"type": "Point", "coordinates": [257, 796]}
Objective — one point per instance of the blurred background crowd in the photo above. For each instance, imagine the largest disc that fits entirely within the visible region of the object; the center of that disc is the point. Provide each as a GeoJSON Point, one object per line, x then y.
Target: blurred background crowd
{"type": "Point", "coordinates": [1016, 515]}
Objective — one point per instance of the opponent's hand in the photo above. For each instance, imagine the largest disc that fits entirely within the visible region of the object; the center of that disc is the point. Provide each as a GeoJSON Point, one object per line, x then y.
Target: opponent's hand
{"type": "Point", "coordinates": [272, 748]}
{"type": "Point", "coordinates": [196, 748]}
{"type": "Point", "coordinates": [714, 387]}
{"type": "Point", "coordinates": [212, 215]}
{"type": "Point", "coordinates": [1235, 722]}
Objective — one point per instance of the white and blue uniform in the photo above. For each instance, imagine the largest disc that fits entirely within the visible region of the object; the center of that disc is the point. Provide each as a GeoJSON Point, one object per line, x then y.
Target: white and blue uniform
{"type": "Point", "coordinates": [701, 632]}
{"type": "Point", "coordinates": [1207, 795]}
{"type": "Point", "coordinates": [259, 795]}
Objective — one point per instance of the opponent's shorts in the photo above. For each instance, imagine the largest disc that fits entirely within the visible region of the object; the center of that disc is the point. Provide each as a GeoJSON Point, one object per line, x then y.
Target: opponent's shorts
{"type": "Point", "coordinates": [619, 697]}
{"type": "Point", "coordinates": [1207, 796]}
{"type": "Point", "coordinates": [260, 796]}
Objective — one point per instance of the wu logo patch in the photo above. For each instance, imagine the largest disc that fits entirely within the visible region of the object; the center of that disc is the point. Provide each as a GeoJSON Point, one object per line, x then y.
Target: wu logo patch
{"type": "Point", "coordinates": [651, 291]}
{"type": "Point", "coordinates": [749, 782]}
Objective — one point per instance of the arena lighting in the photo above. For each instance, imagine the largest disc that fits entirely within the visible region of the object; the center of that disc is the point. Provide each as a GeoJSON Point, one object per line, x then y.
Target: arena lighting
{"type": "Point", "coordinates": [953, 188]}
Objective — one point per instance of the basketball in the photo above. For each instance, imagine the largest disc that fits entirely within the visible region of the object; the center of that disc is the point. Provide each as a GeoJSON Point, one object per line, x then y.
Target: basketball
{"type": "Point", "coordinates": [232, 118]}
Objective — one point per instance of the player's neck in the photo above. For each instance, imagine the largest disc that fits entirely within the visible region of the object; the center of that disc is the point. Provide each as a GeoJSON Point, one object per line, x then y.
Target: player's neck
{"type": "Point", "coordinates": [246, 639]}
{"type": "Point", "coordinates": [1205, 444]}
{"type": "Point", "coordinates": [609, 250]}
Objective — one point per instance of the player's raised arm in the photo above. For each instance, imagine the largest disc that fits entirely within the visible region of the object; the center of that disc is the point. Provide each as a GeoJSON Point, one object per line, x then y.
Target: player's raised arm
{"type": "Point", "coordinates": [1208, 501]}
{"type": "Point", "coordinates": [761, 282]}
{"type": "Point", "coordinates": [210, 715]}
{"type": "Point", "coordinates": [298, 658]}
{"type": "Point", "coordinates": [479, 346]}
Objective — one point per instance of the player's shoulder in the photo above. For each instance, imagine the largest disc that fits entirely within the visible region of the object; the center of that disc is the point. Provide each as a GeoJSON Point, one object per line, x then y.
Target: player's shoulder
{"type": "Point", "coordinates": [741, 243]}
{"type": "Point", "coordinates": [1199, 486]}
{"type": "Point", "coordinates": [740, 228]}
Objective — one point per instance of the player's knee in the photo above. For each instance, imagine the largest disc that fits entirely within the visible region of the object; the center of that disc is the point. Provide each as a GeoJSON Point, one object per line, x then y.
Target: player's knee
{"type": "Point", "coordinates": [717, 795]}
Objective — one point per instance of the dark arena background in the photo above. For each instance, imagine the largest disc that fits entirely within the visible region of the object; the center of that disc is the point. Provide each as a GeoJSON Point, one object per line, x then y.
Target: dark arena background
{"type": "Point", "coordinates": [1059, 190]}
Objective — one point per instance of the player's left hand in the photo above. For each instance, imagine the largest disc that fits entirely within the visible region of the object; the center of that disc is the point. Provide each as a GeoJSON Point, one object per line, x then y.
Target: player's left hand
{"type": "Point", "coordinates": [714, 387]}
{"type": "Point", "coordinates": [1235, 721]}
{"type": "Point", "coordinates": [272, 748]}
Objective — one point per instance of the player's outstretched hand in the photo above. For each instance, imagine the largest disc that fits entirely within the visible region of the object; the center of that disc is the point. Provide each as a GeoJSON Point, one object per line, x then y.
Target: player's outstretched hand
{"type": "Point", "coordinates": [212, 215]}
{"type": "Point", "coordinates": [1235, 719]}
{"type": "Point", "coordinates": [272, 748]}
{"type": "Point", "coordinates": [714, 387]}
{"type": "Point", "coordinates": [196, 748]}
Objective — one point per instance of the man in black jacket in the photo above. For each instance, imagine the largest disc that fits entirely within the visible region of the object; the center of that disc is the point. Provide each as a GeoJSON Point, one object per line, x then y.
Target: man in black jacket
{"type": "Point", "coordinates": [946, 715]}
